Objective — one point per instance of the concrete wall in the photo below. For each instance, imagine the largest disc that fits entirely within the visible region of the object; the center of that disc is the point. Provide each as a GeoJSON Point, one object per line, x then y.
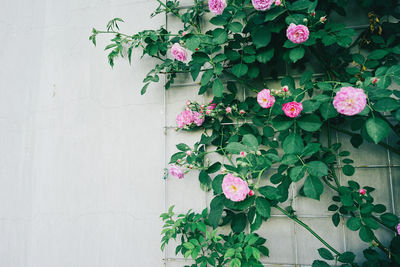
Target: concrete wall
{"type": "Point", "coordinates": [83, 153]}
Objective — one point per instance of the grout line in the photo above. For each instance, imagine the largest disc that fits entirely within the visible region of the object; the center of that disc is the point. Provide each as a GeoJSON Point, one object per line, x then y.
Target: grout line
{"type": "Point", "coordinates": [391, 180]}
{"type": "Point", "coordinates": [341, 217]}
{"type": "Point", "coordinates": [165, 152]}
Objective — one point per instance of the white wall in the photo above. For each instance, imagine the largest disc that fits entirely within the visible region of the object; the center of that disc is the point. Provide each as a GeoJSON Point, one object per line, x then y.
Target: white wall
{"type": "Point", "coordinates": [83, 153]}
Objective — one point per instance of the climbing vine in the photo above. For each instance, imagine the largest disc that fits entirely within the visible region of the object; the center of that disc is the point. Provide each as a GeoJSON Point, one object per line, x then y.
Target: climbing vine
{"type": "Point", "coordinates": [276, 136]}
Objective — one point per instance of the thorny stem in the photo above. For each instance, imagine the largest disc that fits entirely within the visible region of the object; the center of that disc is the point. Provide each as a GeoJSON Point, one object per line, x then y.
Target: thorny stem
{"type": "Point", "coordinates": [294, 218]}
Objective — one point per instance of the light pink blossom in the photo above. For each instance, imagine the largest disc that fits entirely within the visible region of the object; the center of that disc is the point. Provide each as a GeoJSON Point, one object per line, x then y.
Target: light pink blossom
{"type": "Point", "coordinates": [228, 110]}
{"type": "Point", "coordinates": [292, 109]}
{"type": "Point", "coordinates": [362, 191]}
{"type": "Point", "coordinates": [265, 99]}
{"type": "Point", "coordinates": [398, 229]}
{"type": "Point", "coordinates": [189, 152]}
{"type": "Point", "coordinates": [350, 101]}
{"type": "Point", "coordinates": [208, 111]}
{"type": "Point", "coordinates": [278, 2]}
{"type": "Point", "coordinates": [198, 119]}
{"type": "Point", "coordinates": [297, 33]}
{"type": "Point", "coordinates": [179, 53]}
{"type": "Point", "coordinates": [184, 118]}
{"type": "Point", "coordinates": [176, 171]}
{"type": "Point", "coordinates": [216, 6]}
{"type": "Point", "coordinates": [262, 4]}
{"type": "Point", "coordinates": [235, 188]}
{"type": "Point", "coordinates": [285, 88]}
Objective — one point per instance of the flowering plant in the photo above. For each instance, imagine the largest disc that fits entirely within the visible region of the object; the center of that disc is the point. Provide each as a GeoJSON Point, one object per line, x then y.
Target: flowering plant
{"type": "Point", "coordinates": [275, 137]}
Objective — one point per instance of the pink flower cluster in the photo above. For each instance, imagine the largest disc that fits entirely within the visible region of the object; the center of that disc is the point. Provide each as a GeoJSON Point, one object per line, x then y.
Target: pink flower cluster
{"type": "Point", "coordinates": [350, 101]}
{"type": "Point", "coordinates": [234, 188]}
{"type": "Point", "coordinates": [187, 117]}
{"type": "Point", "coordinates": [292, 109]}
{"type": "Point", "coordinates": [176, 171]}
{"type": "Point", "coordinates": [216, 6]}
{"type": "Point", "coordinates": [179, 53]}
{"type": "Point", "coordinates": [265, 99]}
{"type": "Point", "coordinates": [297, 33]}
{"type": "Point", "coordinates": [262, 4]}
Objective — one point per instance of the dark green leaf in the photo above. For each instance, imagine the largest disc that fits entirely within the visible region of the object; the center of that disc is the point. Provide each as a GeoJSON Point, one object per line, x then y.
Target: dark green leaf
{"type": "Point", "coordinates": [313, 187]}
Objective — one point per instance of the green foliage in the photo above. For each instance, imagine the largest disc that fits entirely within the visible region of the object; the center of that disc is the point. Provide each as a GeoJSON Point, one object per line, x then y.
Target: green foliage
{"type": "Point", "coordinates": [243, 49]}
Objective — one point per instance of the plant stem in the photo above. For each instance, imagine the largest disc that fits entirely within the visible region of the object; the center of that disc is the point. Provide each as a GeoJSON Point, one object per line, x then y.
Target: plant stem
{"type": "Point", "coordinates": [294, 218]}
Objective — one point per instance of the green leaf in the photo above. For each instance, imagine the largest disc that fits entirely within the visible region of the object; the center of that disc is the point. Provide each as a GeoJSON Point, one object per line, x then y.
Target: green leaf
{"type": "Point", "coordinates": [293, 144]}
{"type": "Point", "coordinates": [206, 77]}
{"type": "Point", "coordinates": [297, 173]}
{"type": "Point", "coordinates": [325, 86]}
{"type": "Point", "coordinates": [296, 53]}
{"type": "Point", "coordinates": [235, 27]}
{"type": "Point", "coordinates": [354, 223]}
{"type": "Point", "coordinates": [325, 254]}
{"type": "Point", "coordinates": [348, 170]}
{"type": "Point", "coordinates": [263, 207]}
{"type": "Point", "coordinates": [274, 13]}
{"type": "Point", "coordinates": [265, 55]}
{"type": "Point", "coordinates": [336, 219]}
{"type": "Point", "coordinates": [205, 180]}
{"type": "Point", "coordinates": [270, 192]}
{"type": "Point", "coordinates": [328, 111]}
{"type": "Point", "coordinates": [310, 123]}
{"type": "Point", "coordinates": [229, 253]}
{"type": "Point", "coordinates": [366, 234]}
{"type": "Point", "coordinates": [318, 263]}
{"type": "Point", "coordinates": [214, 167]}
{"type": "Point", "coordinates": [193, 42]}
{"type": "Point", "coordinates": [310, 149]}
{"type": "Point", "coordinates": [250, 141]}
{"type": "Point", "coordinates": [378, 54]}
{"type": "Point", "coordinates": [300, 5]}
{"type": "Point", "coordinates": [217, 184]}
{"type": "Point", "coordinates": [282, 123]}
{"type": "Point", "coordinates": [236, 148]}
{"type": "Point", "coordinates": [389, 219]}
{"type": "Point", "coordinates": [377, 129]}
{"type": "Point", "coordinates": [238, 223]}
{"type": "Point", "coordinates": [240, 70]}
{"type": "Point", "coordinates": [219, 36]}
{"type": "Point", "coordinates": [216, 208]}
{"type": "Point", "coordinates": [218, 88]}
{"type": "Point", "coordinates": [386, 104]}
{"type": "Point", "coordinates": [313, 187]}
{"type": "Point", "coordinates": [261, 37]}
{"type": "Point", "coordinates": [317, 168]}
{"type": "Point", "coordinates": [347, 257]}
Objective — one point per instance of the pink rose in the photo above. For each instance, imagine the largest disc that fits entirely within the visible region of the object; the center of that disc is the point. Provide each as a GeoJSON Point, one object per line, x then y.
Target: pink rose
{"type": "Point", "coordinates": [297, 33]}
{"type": "Point", "coordinates": [350, 101]}
{"type": "Point", "coordinates": [292, 109]}
{"type": "Point", "coordinates": [265, 99]}
{"type": "Point", "coordinates": [176, 171]}
{"type": "Point", "coordinates": [216, 6]}
{"type": "Point", "coordinates": [208, 111]}
{"type": "Point", "coordinates": [251, 193]}
{"type": "Point", "coordinates": [198, 119]}
{"type": "Point", "coordinates": [278, 2]}
{"type": "Point", "coordinates": [184, 118]}
{"type": "Point", "coordinates": [235, 188]}
{"type": "Point", "coordinates": [212, 105]}
{"type": "Point", "coordinates": [285, 88]}
{"type": "Point", "coordinates": [179, 53]}
{"type": "Point", "coordinates": [241, 112]}
{"type": "Point", "coordinates": [262, 4]}
{"type": "Point", "coordinates": [398, 229]}
{"type": "Point", "coordinates": [362, 191]}
{"type": "Point", "coordinates": [228, 110]}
